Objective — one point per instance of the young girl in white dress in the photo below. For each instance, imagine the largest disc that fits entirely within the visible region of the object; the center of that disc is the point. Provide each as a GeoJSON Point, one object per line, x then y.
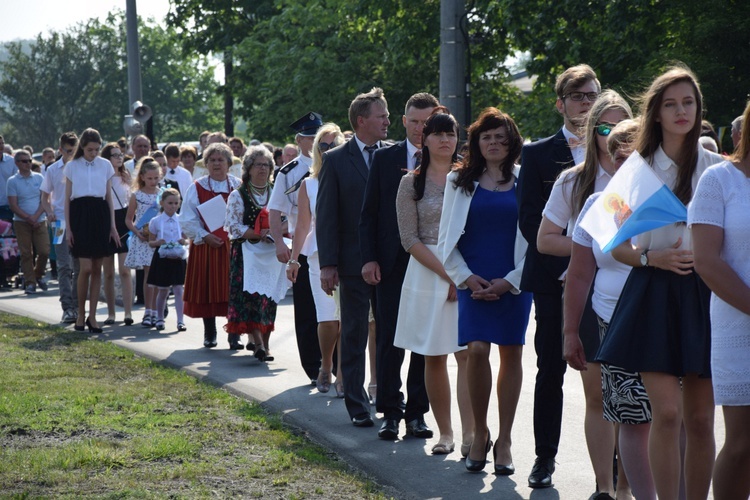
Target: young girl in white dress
{"type": "Point", "coordinates": [168, 262]}
{"type": "Point", "coordinates": [143, 201]}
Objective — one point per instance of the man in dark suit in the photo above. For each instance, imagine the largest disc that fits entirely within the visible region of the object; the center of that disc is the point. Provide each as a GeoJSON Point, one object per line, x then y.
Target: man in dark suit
{"type": "Point", "coordinates": [341, 191]}
{"type": "Point", "coordinates": [541, 163]}
{"type": "Point", "coordinates": [385, 266]}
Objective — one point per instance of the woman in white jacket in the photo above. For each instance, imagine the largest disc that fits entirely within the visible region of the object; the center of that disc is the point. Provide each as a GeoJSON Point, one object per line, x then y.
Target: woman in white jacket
{"type": "Point", "coordinates": [483, 252]}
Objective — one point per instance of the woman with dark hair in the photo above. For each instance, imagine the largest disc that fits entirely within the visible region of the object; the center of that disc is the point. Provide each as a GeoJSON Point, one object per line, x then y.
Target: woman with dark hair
{"type": "Point", "coordinates": [90, 220]}
{"type": "Point", "coordinates": [120, 196]}
{"type": "Point", "coordinates": [721, 231]}
{"type": "Point", "coordinates": [480, 212]}
{"type": "Point", "coordinates": [428, 311]}
{"type": "Point", "coordinates": [207, 276]}
{"type": "Point", "coordinates": [661, 325]}
{"type": "Point", "coordinates": [257, 280]}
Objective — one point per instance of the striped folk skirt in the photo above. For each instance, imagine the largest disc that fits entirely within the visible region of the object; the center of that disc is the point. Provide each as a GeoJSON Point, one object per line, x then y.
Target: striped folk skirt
{"type": "Point", "coordinates": [207, 281]}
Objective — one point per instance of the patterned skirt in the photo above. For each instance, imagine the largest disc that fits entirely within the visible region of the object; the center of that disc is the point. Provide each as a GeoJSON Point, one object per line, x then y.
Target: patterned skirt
{"type": "Point", "coordinates": [624, 396]}
{"type": "Point", "coordinates": [247, 312]}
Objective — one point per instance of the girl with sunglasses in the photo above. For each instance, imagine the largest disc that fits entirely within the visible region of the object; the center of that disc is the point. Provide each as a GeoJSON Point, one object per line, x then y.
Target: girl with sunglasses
{"type": "Point", "coordinates": [570, 192]}
{"type": "Point", "coordinates": [328, 137]}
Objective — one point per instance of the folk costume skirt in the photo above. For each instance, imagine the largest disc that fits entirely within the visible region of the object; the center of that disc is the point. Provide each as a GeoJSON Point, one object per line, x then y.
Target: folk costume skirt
{"type": "Point", "coordinates": [207, 281]}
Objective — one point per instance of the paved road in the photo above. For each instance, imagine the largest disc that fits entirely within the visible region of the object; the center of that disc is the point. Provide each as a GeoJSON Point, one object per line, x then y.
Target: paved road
{"type": "Point", "coordinates": [405, 467]}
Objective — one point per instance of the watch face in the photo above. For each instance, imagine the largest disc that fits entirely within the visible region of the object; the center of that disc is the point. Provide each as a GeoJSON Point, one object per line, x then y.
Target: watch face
{"type": "Point", "coordinates": [644, 260]}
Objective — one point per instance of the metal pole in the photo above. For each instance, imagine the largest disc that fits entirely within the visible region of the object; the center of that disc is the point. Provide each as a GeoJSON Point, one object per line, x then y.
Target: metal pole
{"type": "Point", "coordinates": [134, 59]}
{"type": "Point", "coordinates": [453, 59]}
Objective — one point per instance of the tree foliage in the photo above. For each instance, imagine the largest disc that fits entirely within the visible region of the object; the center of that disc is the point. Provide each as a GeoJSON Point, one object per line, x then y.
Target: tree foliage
{"type": "Point", "coordinates": [78, 78]}
{"type": "Point", "coordinates": [316, 55]}
{"type": "Point", "coordinates": [628, 42]}
{"type": "Point", "coordinates": [298, 55]}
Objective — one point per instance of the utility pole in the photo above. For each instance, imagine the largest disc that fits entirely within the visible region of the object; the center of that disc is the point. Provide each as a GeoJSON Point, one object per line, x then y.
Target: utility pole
{"type": "Point", "coordinates": [453, 91]}
{"type": "Point", "coordinates": [141, 114]}
{"type": "Point", "coordinates": [134, 58]}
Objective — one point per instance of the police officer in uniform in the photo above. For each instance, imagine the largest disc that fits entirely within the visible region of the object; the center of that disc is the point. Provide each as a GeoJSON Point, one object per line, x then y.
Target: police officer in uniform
{"type": "Point", "coordinates": [284, 202]}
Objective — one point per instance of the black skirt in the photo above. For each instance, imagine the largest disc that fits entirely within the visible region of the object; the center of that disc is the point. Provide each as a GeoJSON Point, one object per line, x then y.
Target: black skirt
{"type": "Point", "coordinates": [90, 222]}
{"type": "Point", "coordinates": [164, 273]}
{"type": "Point", "coordinates": [660, 324]}
{"type": "Point", "coordinates": [122, 230]}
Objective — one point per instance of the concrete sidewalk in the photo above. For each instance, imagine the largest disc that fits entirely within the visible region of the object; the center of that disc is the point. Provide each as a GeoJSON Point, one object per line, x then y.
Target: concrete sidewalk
{"type": "Point", "coordinates": [405, 467]}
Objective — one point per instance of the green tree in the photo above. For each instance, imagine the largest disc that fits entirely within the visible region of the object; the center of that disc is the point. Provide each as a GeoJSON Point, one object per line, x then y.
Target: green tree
{"type": "Point", "coordinates": [78, 78]}
{"type": "Point", "coordinates": [293, 56]}
{"type": "Point", "coordinates": [628, 42]}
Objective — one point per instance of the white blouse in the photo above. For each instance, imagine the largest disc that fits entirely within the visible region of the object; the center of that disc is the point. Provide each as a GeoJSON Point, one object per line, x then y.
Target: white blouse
{"type": "Point", "coordinates": [192, 225]}
{"type": "Point", "coordinates": [559, 208]}
{"type": "Point", "coordinates": [611, 275]}
{"type": "Point", "coordinates": [120, 193]}
{"type": "Point", "coordinates": [166, 227]}
{"type": "Point", "coordinates": [89, 178]}
{"type": "Point", "coordinates": [666, 170]}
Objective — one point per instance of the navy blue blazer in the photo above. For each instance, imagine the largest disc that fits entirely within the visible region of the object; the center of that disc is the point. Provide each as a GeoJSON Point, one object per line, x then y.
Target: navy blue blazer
{"type": "Point", "coordinates": [541, 164]}
{"type": "Point", "coordinates": [379, 238]}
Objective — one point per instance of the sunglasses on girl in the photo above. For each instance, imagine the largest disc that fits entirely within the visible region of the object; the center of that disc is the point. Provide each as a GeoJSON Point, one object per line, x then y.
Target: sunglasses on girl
{"type": "Point", "coordinates": [325, 146]}
{"type": "Point", "coordinates": [604, 129]}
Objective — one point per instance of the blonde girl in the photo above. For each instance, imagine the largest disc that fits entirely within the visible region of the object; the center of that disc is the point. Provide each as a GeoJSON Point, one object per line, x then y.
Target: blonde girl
{"type": "Point", "coordinates": [141, 208]}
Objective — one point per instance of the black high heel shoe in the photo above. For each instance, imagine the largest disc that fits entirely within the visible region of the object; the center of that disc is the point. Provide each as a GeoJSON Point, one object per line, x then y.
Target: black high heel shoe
{"type": "Point", "coordinates": [128, 321]}
{"type": "Point", "coordinates": [260, 354]}
{"type": "Point", "coordinates": [91, 328]}
{"type": "Point", "coordinates": [478, 465]}
{"type": "Point", "coordinates": [79, 328]}
{"type": "Point", "coordinates": [502, 470]}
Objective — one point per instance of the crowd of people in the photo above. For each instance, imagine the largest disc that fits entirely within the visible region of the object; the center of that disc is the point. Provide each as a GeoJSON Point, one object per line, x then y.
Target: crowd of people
{"type": "Point", "coordinates": [443, 247]}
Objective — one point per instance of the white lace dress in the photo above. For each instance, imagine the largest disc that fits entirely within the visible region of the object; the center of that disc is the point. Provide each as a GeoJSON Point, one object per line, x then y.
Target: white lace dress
{"type": "Point", "coordinates": [722, 199]}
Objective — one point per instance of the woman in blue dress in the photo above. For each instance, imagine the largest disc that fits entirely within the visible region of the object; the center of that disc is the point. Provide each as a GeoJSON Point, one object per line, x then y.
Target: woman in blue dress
{"type": "Point", "coordinates": [483, 254]}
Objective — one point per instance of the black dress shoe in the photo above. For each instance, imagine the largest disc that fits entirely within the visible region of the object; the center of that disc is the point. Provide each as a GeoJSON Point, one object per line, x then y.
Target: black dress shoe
{"type": "Point", "coordinates": [389, 429]}
{"type": "Point", "coordinates": [364, 420]}
{"type": "Point", "coordinates": [418, 428]}
{"type": "Point", "coordinates": [541, 473]}
{"type": "Point", "coordinates": [234, 342]}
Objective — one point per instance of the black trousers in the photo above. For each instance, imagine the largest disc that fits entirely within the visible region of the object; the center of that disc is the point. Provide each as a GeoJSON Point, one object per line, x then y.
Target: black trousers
{"type": "Point", "coordinates": [356, 297]}
{"type": "Point", "coordinates": [306, 321]}
{"type": "Point", "coordinates": [548, 392]}
{"type": "Point", "coordinates": [390, 358]}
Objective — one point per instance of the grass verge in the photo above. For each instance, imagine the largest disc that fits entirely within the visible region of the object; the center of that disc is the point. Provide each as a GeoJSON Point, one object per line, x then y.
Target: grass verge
{"type": "Point", "coordinates": [85, 417]}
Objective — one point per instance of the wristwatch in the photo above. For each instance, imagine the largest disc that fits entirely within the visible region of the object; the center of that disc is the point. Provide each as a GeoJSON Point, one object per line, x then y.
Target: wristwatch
{"type": "Point", "coordinates": [644, 258]}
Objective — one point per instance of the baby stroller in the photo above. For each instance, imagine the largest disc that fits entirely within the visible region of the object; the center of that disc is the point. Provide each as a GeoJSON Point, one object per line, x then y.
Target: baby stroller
{"type": "Point", "coordinates": [9, 256]}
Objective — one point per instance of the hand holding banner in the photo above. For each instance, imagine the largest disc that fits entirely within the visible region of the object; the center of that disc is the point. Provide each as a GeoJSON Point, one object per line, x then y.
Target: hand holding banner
{"type": "Point", "coordinates": [635, 201]}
